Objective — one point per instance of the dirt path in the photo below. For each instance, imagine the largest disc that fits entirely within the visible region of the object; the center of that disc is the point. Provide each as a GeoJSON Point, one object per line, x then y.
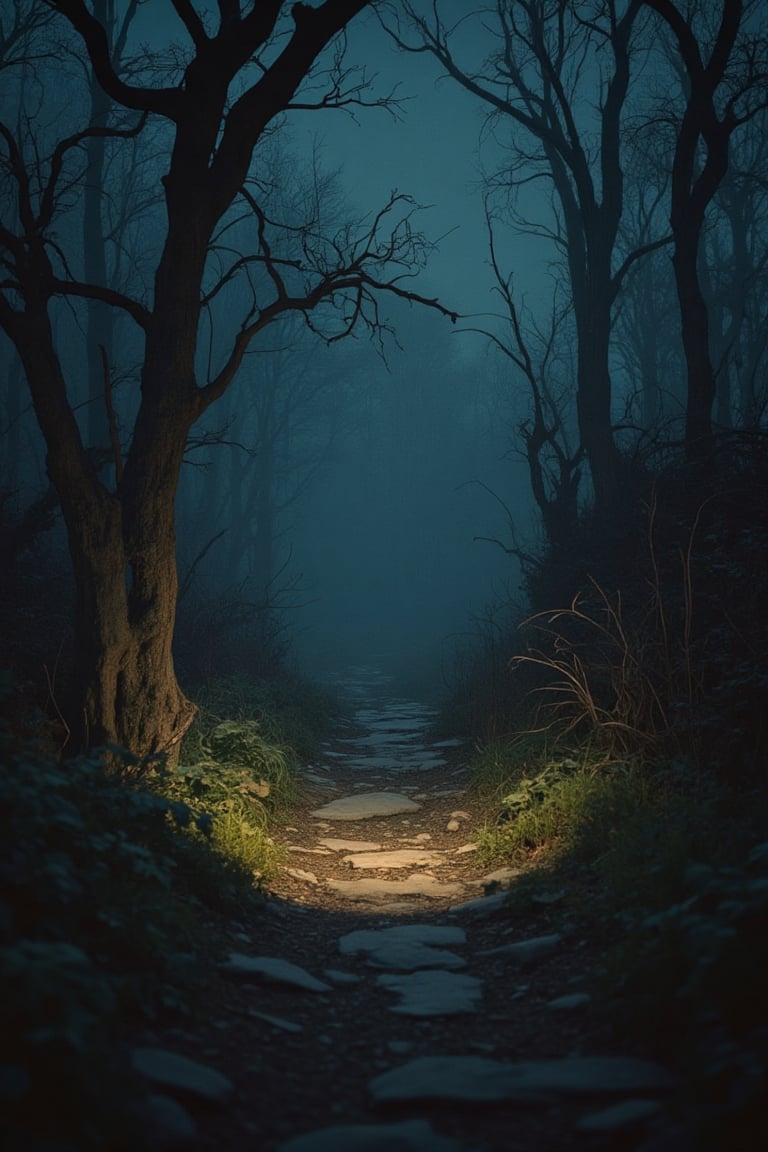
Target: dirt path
{"type": "Point", "coordinates": [302, 1060]}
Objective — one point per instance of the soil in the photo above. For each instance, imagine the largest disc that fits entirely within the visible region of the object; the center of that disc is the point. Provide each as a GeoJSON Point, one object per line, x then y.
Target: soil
{"type": "Point", "coordinates": [291, 1082]}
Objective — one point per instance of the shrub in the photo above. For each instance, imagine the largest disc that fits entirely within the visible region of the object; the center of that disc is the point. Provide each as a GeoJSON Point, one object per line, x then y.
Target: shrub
{"type": "Point", "coordinates": [690, 979]}
{"type": "Point", "coordinates": [100, 880]}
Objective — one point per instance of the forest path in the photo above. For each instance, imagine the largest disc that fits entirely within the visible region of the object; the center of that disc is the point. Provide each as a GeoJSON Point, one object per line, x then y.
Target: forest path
{"type": "Point", "coordinates": [384, 995]}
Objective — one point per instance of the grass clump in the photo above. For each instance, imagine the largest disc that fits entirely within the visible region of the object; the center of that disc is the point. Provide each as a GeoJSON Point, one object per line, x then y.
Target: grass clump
{"type": "Point", "coordinates": [291, 712]}
{"type": "Point", "coordinates": [564, 807]}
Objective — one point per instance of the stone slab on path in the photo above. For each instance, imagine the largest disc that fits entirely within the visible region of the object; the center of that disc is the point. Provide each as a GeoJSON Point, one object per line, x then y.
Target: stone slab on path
{"type": "Point", "coordinates": [367, 939]}
{"type": "Point", "coordinates": [375, 889]}
{"type": "Point", "coordinates": [526, 951]}
{"type": "Point", "coordinates": [431, 993]}
{"type": "Point", "coordinates": [482, 905]}
{"type": "Point", "coordinates": [479, 1080]}
{"type": "Point", "coordinates": [407, 1136]}
{"type": "Point", "coordinates": [272, 970]}
{"type": "Point", "coordinates": [366, 806]}
{"type": "Point", "coordinates": [180, 1075]}
{"type": "Point", "coordinates": [406, 947]}
{"type": "Point", "coordinates": [338, 845]}
{"type": "Point", "coordinates": [397, 858]}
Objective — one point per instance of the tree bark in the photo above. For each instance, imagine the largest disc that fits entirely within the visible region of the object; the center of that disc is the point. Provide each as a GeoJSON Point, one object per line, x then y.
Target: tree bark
{"type": "Point", "coordinates": [122, 539]}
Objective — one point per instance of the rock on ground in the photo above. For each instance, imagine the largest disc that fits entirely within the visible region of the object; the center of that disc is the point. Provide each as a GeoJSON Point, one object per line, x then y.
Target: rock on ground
{"type": "Point", "coordinates": [366, 806]}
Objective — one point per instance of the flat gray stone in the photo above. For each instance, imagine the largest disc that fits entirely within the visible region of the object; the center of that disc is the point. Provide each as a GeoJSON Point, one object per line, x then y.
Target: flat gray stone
{"type": "Point", "coordinates": [180, 1075]}
{"type": "Point", "coordinates": [366, 807]}
{"type": "Point", "coordinates": [624, 1115]}
{"type": "Point", "coordinates": [500, 877]}
{"type": "Point", "coordinates": [168, 1125]}
{"type": "Point", "coordinates": [526, 951]}
{"type": "Point", "coordinates": [272, 970]}
{"type": "Point", "coordinates": [397, 858]}
{"type": "Point", "coordinates": [406, 947]}
{"type": "Point", "coordinates": [482, 906]}
{"type": "Point", "coordinates": [400, 956]}
{"type": "Point", "coordinates": [431, 993]}
{"type": "Point", "coordinates": [302, 874]}
{"type": "Point", "coordinates": [276, 1021]}
{"type": "Point", "coordinates": [572, 1000]}
{"type": "Point", "coordinates": [375, 889]}
{"type": "Point", "coordinates": [407, 1136]}
{"type": "Point", "coordinates": [369, 939]}
{"type": "Point", "coordinates": [479, 1080]}
{"type": "Point", "coordinates": [336, 976]}
{"type": "Point", "coordinates": [337, 845]}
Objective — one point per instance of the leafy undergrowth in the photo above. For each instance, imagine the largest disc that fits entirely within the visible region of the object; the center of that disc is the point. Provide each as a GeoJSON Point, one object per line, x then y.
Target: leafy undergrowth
{"type": "Point", "coordinates": [105, 885]}
{"type": "Point", "coordinates": [109, 876]}
{"type": "Point", "coordinates": [622, 743]}
{"type": "Point", "coordinates": [289, 710]}
{"type": "Point", "coordinates": [664, 868]}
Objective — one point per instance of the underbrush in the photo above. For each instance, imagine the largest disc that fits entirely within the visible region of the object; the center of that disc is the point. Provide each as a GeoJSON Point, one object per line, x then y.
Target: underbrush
{"type": "Point", "coordinates": [289, 710]}
{"type": "Point", "coordinates": [111, 875]}
{"type": "Point", "coordinates": [623, 763]}
{"type": "Point", "coordinates": [106, 887]}
{"type": "Point", "coordinates": [663, 868]}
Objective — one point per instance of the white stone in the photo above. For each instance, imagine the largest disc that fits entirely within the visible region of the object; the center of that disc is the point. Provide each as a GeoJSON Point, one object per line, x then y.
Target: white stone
{"type": "Point", "coordinates": [369, 939]}
{"type": "Point", "coordinates": [526, 951]}
{"type": "Point", "coordinates": [478, 1079]}
{"type": "Point", "coordinates": [624, 1115]}
{"type": "Point", "coordinates": [272, 970]}
{"type": "Point", "coordinates": [431, 993]}
{"type": "Point", "coordinates": [500, 877]}
{"type": "Point", "coordinates": [300, 874]}
{"type": "Point", "coordinates": [179, 1074]}
{"type": "Point", "coordinates": [407, 1136]}
{"type": "Point", "coordinates": [452, 826]}
{"type": "Point", "coordinates": [484, 906]}
{"type": "Point", "coordinates": [366, 807]}
{"type": "Point", "coordinates": [372, 888]}
{"type": "Point", "coordinates": [398, 858]}
{"type": "Point", "coordinates": [336, 976]}
{"type": "Point", "coordinates": [276, 1021]}
{"type": "Point", "coordinates": [574, 1000]}
{"type": "Point", "coordinates": [467, 848]}
{"type": "Point", "coordinates": [406, 956]}
{"type": "Point", "coordinates": [336, 845]}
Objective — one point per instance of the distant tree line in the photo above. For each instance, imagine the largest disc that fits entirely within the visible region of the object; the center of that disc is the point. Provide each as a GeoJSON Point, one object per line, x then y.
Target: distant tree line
{"type": "Point", "coordinates": [167, 265]}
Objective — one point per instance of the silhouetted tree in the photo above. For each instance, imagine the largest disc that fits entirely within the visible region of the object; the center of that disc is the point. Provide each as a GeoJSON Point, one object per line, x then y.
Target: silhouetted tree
{"type": "Point", "coordinates": [557, 78]}
{"type": "Point", "coordinates": [243, 69]}
{"type": "Point", "coordinates": [725, 74]}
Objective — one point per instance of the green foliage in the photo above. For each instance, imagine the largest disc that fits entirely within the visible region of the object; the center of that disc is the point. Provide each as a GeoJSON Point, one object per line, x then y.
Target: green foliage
{"type": "Point", "coordinates": [690, 979]}
{"type": "Point", "coordinates": [100, 882]}
{"type": "Point", "coordinates": [290, 711]}
{"type": "Point", "coordinates": [564, 808]}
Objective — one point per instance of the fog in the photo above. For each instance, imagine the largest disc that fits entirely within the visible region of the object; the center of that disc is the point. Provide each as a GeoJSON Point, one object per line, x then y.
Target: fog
{"type": "Point", "coordinates": [395, 545]}
{"type": "Point", "coordinates": [364, 482]}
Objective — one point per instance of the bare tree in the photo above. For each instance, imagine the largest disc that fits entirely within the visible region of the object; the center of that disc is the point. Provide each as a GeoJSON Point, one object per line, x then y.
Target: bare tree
{"type": "Point", "coordinates": [726, 76]}
{"type": "Point", "coordinates": [243, 69]}
{"type": "Point", "coordinates": [558, 76]}
{"type": "Point", "coordinates": [554, 467]}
